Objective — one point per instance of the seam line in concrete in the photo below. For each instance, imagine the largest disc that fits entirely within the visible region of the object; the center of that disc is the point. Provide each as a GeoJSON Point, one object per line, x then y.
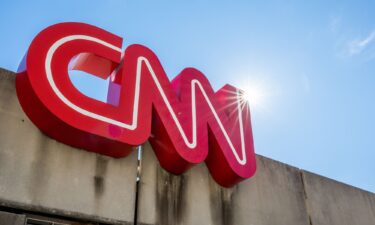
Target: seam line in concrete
{"type": "Point", "coordinates": [305, 196]}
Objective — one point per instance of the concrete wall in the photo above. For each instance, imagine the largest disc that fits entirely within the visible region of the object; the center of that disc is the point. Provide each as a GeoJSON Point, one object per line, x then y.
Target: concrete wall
{"type": "Point", "coordinates": [277, 194]}
{"type": "Point", "coordinates": [334, 203]}
{"type": "Point", "coordinates": [12, 219]}
{"type": "Point", "coordinates": [274, 196]}
{"type": "Point", "coordinates": [39, 174]}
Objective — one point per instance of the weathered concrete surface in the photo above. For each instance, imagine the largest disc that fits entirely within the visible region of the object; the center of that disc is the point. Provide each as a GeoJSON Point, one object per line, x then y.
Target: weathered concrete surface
{"type": "Point", "coordinates": [335, 203]}
{"type": "Point", "coordinates": [11, 219]}
{"type": "Point", "coordinates": [274, 196]}
{"type": "Point", "coordinates": [38, 173]}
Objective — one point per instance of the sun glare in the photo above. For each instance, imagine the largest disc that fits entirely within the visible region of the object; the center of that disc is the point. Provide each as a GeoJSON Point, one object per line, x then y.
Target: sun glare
{"type": "Point", "coordinates": [255, 95]}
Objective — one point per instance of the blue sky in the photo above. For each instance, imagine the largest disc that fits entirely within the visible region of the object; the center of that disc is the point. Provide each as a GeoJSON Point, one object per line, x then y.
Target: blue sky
{"type": "Point", "coordinates": [309, 66]}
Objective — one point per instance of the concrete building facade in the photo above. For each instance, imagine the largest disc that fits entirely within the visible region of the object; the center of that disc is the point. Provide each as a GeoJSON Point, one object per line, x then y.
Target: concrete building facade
{"type": "Point", "coordinates": [43, 181]}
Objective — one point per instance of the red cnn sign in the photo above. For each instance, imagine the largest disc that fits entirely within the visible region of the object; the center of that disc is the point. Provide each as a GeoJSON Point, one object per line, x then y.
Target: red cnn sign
{"type": "Point", "coordinates": [185, 121]}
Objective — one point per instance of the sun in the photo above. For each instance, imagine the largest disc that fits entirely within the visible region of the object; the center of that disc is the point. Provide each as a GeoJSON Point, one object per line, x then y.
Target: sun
{"type": "Point", "coordinates": [254, 94]}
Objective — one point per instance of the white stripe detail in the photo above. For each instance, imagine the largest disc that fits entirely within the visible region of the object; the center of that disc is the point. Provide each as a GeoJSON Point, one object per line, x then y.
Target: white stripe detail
{"type": "Point", "coordinates": [133, 125]}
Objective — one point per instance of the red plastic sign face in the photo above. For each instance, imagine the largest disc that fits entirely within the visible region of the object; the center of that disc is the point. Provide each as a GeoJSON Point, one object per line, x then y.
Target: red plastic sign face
{"type": "Point", "coordinates": [185, 121]}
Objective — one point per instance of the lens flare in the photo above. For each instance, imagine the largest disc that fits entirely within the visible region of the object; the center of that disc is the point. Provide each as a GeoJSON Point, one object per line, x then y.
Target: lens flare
{"type": "Point", "coordinates": [254, 95]}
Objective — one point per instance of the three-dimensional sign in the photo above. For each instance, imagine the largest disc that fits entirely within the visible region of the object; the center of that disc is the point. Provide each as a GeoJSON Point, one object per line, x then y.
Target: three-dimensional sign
{"type": "Point", "coordinates": [185, 121]}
